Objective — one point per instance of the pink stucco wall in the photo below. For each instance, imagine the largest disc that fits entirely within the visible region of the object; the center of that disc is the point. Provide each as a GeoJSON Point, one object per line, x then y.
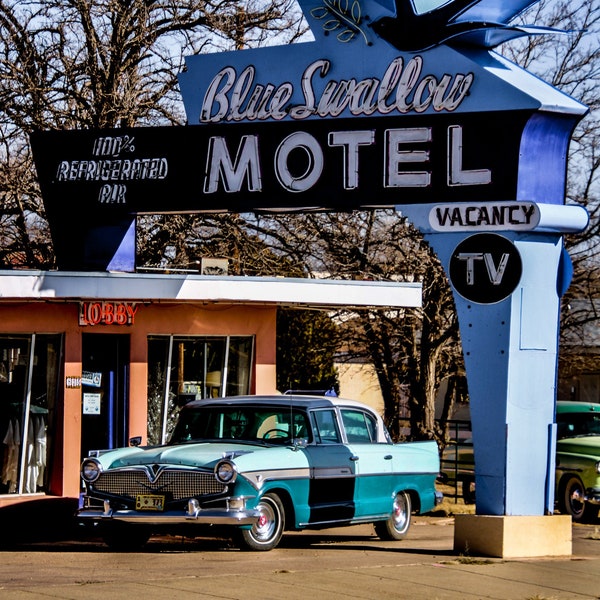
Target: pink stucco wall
{"type": "Point", "coordinates": [150, 318]}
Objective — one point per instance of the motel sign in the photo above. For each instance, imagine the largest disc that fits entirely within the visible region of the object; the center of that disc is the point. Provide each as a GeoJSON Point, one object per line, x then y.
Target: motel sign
{"type": "Point", "coordinates": [396, 103]}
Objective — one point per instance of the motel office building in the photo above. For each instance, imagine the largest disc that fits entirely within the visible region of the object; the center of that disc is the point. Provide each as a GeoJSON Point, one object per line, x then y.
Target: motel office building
{"type": "Point", "coordinates": [88, 360]}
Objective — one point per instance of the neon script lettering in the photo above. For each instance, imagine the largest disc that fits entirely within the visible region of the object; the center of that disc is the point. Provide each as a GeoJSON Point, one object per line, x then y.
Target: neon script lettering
{"type": "Point", "coordinates": [402, 89]}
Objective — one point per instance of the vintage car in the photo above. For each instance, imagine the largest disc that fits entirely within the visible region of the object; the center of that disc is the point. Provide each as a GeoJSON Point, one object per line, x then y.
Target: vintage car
{"type": "Point", "coordinates": [577, 461]}
{"type": "Point", "coordinates": [457, 465]}
{"type": "Point", "coordinates": [258, 466]}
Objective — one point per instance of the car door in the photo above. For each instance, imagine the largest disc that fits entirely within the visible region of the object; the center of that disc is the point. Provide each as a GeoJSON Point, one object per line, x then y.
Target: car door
{"type": "Point", "coordinates": [373, 464]}
{"type": "Point", "coordinates": [332, 471]}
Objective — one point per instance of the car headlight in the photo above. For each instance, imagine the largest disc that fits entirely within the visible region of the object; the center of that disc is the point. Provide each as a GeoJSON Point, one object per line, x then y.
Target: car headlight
{"type": "Point", "coordinates": [90, 470]}
{"type": "Point", "coordinates": [225, 471]}
{"type": "Point", "coordinates": [598, 467]}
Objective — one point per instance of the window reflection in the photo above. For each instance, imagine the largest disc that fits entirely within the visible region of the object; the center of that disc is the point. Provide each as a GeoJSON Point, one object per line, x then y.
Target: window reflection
{"type": "Point", "coordinates": [29, 367]}
{"type": "Point", "coordinates": [186, 368]}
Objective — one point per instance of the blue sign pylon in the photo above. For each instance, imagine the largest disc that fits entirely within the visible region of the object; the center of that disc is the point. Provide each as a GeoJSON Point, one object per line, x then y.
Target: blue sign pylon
{"type": "Point", "coordinates": [415, 64]}
{"type": "Point", "coordinates": [507, 287]}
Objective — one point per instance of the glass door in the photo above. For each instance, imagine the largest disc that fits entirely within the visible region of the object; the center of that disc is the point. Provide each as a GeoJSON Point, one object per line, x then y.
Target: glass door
{"type": "Point", "coordinates": [186, 368]}
{"type": "Point", "coordinates": [105, 385]}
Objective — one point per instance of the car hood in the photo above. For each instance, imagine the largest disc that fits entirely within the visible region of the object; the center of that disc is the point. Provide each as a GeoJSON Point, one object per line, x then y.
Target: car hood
{"type": "Point", "coordinates": [193, 455]}
{"type": "Point", "coordinates": [588, 444]}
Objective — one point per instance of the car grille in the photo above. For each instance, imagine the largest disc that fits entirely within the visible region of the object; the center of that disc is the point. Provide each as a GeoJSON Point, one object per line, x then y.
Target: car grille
{"type": "Point", "coordinates": [177, 484]}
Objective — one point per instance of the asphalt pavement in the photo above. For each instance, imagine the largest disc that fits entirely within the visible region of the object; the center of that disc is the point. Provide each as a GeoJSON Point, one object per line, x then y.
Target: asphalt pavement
{"type": "Point", "coordinates": [345, 563]}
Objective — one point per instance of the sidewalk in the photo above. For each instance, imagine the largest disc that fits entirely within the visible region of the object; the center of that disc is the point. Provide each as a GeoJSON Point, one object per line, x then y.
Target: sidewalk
{"type": "Point", "coordinates": [335, 564]}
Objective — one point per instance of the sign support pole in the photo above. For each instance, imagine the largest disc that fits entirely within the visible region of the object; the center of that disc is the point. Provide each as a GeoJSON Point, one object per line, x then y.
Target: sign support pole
{"type": "Point", "coordinates": [510, 344]}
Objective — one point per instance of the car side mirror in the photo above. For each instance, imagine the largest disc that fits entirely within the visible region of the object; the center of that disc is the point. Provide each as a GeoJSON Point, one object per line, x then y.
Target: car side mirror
{"type": "Point", "coordinates": [299, 443]}
{"type": "Point", "coordinates": [135, 441]}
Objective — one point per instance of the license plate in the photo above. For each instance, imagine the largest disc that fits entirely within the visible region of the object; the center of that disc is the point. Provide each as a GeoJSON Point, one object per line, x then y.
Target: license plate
{"type": "Point", "coordinates": [149, 502]}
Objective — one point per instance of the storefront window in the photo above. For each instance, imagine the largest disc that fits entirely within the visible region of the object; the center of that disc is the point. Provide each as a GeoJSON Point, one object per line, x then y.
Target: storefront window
{"type": "Point", "coordinates": [181, 369]}
{"type": "Point", "coordinates": [29, 367]}
{"type": "Point", "coordinates": [238, 366]}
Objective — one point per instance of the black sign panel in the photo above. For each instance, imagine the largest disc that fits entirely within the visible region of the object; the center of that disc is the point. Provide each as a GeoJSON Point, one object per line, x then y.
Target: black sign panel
{"type": "Point", "coordinates": [329, 164]}
{"type": "Point", "coordinates": [485, 268]}
{"type": "Point", "coordinates": [94, 182]}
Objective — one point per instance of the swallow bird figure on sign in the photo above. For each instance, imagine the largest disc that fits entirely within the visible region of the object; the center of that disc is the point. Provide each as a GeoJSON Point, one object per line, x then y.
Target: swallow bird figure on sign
{"type": "Point", "coordinates": [481, 23]}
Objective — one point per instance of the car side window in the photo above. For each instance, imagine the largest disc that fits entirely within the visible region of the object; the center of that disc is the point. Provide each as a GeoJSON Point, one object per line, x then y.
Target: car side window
{"type": "Point", "coordinates": [325, 427]}
{"type": "Point", "coordinates": [360, 427]}
{"type": "Point", "coordinates": [576, 424]}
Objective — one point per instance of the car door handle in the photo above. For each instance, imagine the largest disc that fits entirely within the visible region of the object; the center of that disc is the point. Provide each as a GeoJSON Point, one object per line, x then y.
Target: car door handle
{"type": "Point", "coordinates": [387, 457]}
{"type": "Point", "coordinates": [354, 457]}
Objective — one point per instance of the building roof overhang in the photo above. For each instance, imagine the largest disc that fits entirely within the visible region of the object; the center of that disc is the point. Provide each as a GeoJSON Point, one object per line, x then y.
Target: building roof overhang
{"type": "Point", "coordinates": [184, 287]}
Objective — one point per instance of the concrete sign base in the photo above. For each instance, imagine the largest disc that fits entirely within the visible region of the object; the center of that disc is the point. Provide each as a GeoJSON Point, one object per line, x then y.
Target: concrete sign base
{"type": "Point", "coordinates": [513, 537]}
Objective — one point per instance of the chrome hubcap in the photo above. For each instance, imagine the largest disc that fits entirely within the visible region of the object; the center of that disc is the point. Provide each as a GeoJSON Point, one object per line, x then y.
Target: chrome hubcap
{"type": "Point", "coordinates": [400, 512]}
{"type": "Point", "coordinates": [265, 526]}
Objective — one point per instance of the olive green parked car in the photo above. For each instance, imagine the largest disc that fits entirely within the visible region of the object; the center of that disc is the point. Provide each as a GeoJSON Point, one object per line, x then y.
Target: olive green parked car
{"type": "Point", "coordinates": [458, 466]}
{"type": "Point", "coordinates": [577, 461]}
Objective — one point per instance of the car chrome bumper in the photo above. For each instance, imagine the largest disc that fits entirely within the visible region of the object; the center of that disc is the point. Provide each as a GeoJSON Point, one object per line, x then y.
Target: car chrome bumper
{"type": "Point", "coordinates": [592, 496]}
{"type": "Point", "coordinates": [439, 497]}
{"type": "Point", "coordinates": [193, 515]}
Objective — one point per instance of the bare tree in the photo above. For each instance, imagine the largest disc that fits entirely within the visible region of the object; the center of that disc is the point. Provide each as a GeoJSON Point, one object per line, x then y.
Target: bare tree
{"type": "Point", "coordinates": [571, 62]}
{"type": "Point", "coordinates": [182, 241]}
{"type": "Point", "coordinates": [104, 63]}
{"type": "Point", "coordinates": [412, 350]}
{"type": "Point", "coordinates": [23, 230]}
{"type": "Point", "coordinates": [71, 64]}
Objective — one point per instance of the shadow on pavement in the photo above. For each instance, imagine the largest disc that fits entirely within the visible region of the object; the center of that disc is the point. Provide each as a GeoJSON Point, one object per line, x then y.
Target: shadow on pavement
{"type": "Point", "coordinates": [48, 524]}
{"type": "Point", "coordinates": [44, 520]}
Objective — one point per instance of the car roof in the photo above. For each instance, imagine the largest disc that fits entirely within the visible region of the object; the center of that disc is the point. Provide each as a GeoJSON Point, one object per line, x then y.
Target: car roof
{"type": "Point", "coordinates": [570, 406]}
{"type": "Point", "coordinates": [288, 400]}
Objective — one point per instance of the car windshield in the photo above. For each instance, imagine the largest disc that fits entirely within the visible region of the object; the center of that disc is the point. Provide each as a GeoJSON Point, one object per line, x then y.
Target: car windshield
{"type": "Point", "coordinates": [577, 424]}
{"type": "Point", "coordinates": [276, 425]}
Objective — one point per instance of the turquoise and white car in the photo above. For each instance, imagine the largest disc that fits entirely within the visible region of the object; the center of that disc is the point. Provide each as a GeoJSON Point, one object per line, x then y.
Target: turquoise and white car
{"type": "Point", "coordinates": [260, 466]}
